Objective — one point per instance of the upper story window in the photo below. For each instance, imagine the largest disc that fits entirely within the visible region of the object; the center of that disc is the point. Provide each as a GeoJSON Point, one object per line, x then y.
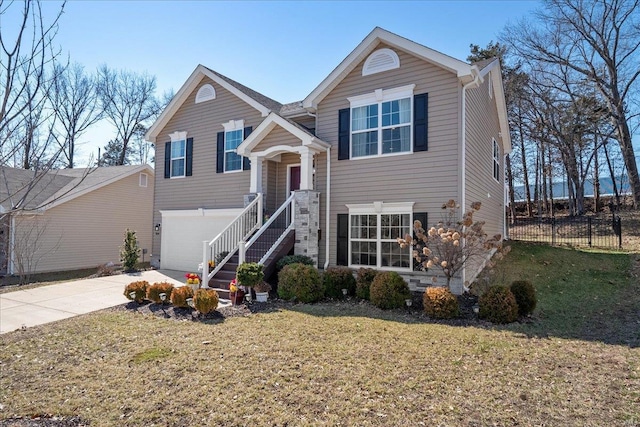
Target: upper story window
{"type": "Point", "coordinates": [381, 122]}
{"type": "Point", "coordinates": [178, 154]}
{"type": "Point", "coordinates": [233, 137]}
{"type": "Point", "coordinates": [496, 161]}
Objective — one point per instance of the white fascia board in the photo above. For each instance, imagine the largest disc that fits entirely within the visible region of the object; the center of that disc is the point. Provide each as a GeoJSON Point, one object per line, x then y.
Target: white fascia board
{"type": "Point", "coordinates": [381, 95]}
{"type": "Point", "coordinates": [501, 103]}
{"type": "Point", "coordinates": [461, 69]}
{"type": "Point", "coordinates": [186, 89]}
{"type": "Point", "coordinates": [200, 212]}
{"type": "Point", "coordinates": [74, 195]}
{"type": "Point", "coordinates": [381, 207]}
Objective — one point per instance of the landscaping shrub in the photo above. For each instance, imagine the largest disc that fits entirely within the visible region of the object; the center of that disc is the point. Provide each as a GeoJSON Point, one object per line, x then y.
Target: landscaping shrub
{"type": "Point", "coordinates": [293, 259]}
{"type": "Point", "coordinates": [498, 305]}
{"type": "Point", "coordinates": [335, 279]}
{"type": "Point", "coordinates": [363, 282]}
{"type": "Point", "coordinates": [525, 295]}
{"type": "Point", "coordinates": [180, 294]}
{"type": "Point", "coordinates": [140, 289]}
{"type": "Point", "coordinates": [389, 290]}
{"type": "Point", "coordinates": [301, 282]}
{"type": "Point", "coordinates": [249, 274]}
{"type": "Point", "coordinates": [154, 291]}
{"type": "Point", "coordinates": [205, 300]}
{"type": "Point", "coordinates": [130, 251]}
{"type": "Point", "coordinates": [440, 303]}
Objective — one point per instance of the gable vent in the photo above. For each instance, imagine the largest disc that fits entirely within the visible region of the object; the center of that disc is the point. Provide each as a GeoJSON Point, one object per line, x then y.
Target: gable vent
{"type": "Point", "coordinates": [205, 93]}
{"type": "Point", "coordinates": [379, 61]}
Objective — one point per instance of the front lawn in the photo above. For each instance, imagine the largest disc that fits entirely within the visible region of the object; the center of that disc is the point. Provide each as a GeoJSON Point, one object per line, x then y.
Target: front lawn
{"type": "Point", "coordinates": [349, 364]}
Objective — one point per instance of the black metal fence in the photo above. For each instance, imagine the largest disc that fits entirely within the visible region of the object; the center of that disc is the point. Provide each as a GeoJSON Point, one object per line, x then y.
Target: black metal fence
{"type": "Point", "coordinates": [591, 231]}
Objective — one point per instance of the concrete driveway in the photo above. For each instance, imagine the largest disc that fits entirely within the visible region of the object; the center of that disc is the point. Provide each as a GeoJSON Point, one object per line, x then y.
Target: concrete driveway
{"type": "Point", "coordinates": [46, 304]}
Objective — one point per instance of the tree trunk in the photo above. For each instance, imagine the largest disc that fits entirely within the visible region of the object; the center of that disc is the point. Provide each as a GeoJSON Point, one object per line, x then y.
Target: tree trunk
{"type": "Point", "coordinates": [628, 155]}
{"type": "Point", "coordinates": [552, 210]}
{"type": "Point", "coordinates": [596, 176]}
{"type": "Point", "coordinates": [523, 153]}
{"type": "Point", "coordinates": [512, 202]}
{"type": "Point", "coordinates": [613, 176]}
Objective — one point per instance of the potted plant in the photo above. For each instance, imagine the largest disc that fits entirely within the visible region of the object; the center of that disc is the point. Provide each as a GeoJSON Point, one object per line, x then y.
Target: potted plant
{"type": "Point", "coordinates": [236, 295]}
{"type": "Point", "coordinates": [249, 274]}
{"type": "Point", "coordinates": [193, 280]}
{"type": "Point", "coordinates": [262, 291]}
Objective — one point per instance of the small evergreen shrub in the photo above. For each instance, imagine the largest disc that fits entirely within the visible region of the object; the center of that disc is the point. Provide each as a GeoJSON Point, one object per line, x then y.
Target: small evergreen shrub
{"type": "Point", "coordinates": [335, 279]}
{"type": "Point", "coordinates": [205, 300]}
{"type": "Point", "coordinates": [139, 288]}
{"type": "Point", "coordinates": [440, 303]}
{"type": "Point", "coordinates": [498, 305]}
{"type": "Point", "coordinates": [389, 290]}
{"type": "Point", "coordinates": [301, 282]}
{"type": "Point", "coordinates": [249, 274]}
{"type": "Point", "coordinates": [363, 282]}
{"type": "Point", "coordinates": [154, 291]}
{"type": "Point", "coordinates": [293, 259]}
{"type": "Point", "coordinates": [180, 294]}
{"type": "Point", "coordinates": [129, 252]}
{"type": "Point", "coordinates": [525, 295]}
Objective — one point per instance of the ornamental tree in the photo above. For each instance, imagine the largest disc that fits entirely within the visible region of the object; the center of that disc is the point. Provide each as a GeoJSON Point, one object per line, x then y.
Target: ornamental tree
{"type": "Point", "coordinates": [453, 242]}
{"type": "Point", "coordinates": [129, 252]}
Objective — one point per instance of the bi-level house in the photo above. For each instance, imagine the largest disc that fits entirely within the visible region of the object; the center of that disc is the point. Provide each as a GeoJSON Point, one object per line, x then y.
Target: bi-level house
{"type": "Point", "coordinates": [394, 131]}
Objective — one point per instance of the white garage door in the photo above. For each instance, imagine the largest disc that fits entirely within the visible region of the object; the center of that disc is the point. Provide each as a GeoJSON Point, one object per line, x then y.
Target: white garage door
{"type": "Point", "coordinates": [183, 232]}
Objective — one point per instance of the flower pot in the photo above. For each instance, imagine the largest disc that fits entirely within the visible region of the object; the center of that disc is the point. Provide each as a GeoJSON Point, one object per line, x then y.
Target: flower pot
{"type": "Point", "coordinates": [262, 296]}
{"type": "Point", "coordinates": [194, 286]}
{"type": "Point", "coordinates": [237, 297]}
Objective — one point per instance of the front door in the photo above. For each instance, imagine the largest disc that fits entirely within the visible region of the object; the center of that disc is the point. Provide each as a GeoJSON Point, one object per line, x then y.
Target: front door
{"type": "Point", "coordinates": [293, 179]}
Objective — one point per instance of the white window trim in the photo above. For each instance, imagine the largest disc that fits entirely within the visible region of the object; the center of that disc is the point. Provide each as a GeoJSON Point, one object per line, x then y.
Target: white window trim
{"type": "Point", "coordinates": [378, 97]}
{"type": "Point", "coordinates": [177, 137]}
{"type": "Point", "coordinates": [495, 155]}
{"type": "Point", "coordinates": [230, 126]}
{"type": "Point", "coordinates": [490, 84]}
{"type": "Point", "coordinates": [380, 208]}
{"type": "Point", "coordinates": [145, 179]}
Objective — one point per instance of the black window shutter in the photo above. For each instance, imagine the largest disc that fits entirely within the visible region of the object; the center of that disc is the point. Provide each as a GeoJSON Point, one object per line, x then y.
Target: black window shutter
{"type": "Point", "coordinates": [422, 217]}
{"type": "Point", "coordinates": [246, 164]}
{"type": "Point", "coordinates": [188, 170]}
{"type": "Point", "coordinates": [167, 159]}
{"type": "Point", "coordinates": [344, 128]}
{"type": "Point", "coordinates": [420, 122]}
{"type": "Point", "coordinates": [342, 253]}
{"type": "Point", "coordinates": [220, 153]}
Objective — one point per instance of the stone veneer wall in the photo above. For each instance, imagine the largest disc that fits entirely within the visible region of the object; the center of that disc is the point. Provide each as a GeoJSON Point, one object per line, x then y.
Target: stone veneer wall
{"type": "Point", "coordinates": [306, 222]}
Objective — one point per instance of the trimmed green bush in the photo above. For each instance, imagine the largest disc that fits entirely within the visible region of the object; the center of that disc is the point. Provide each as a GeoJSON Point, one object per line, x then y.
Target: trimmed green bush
{"type": "Point", "coordinates": [139, 288]}
{"type": "Point", "coordinates": [389, 290]}
{"type": "Point", "coordinates": [498, 305]}
{"type": "Point", "coordinates": [154, 291]}
{"type": "Point", "coordinates": [205, 300]}
{"type": "Point", "coordinates": [180, 295]}
{"type": "Point", "coordinates": [249, 274]}
{"type": "Point", "coordinates": [293, 259]}
{"type": "Point", "coordinates": [525, 295]}
{"type": "Point", "coordinates": [335, 279]}
{"type": "Point", "coordinates": [301, 282]}
{"type": "Point", "coordinates": [363, 282]}
{"type": "Point", "coordinates": [440, 303]}
{"type": "Point", "coordinates": [130, 251]}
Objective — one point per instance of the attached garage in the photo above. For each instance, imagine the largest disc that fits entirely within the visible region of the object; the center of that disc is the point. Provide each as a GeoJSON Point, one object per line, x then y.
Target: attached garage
{"type": "Point", "coordinates": [183, 231]}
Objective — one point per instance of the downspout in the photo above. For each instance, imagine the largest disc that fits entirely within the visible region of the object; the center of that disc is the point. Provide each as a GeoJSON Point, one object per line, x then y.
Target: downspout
{"type": "Point", "coordinates": [327, 210]}
{"type": "Point", "coordinates": [12, 239]}
{"type": "Point", "coordinates": [463, 153]}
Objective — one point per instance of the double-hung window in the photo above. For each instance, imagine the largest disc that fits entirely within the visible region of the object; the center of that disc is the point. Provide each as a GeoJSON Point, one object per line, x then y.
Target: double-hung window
{"type": "Point", "coordinates": [496, 161]}
{"type": "Point", "coordinates": [232, 161]}
{"type": "Point", "coordinates": [381, 122]}
{"type": "Point", "coordinates": [178, 156]}
{"type": "Point", "coordinates": [373, 234]}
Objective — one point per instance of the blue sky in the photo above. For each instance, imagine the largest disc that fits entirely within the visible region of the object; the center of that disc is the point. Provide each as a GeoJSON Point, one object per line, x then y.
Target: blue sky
{"type": "Point", "coordinates": [281, 49]}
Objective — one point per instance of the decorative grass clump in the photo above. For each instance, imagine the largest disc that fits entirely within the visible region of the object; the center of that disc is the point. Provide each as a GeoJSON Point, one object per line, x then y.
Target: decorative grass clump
{"type": "Point", "coordinates": [301, 282]}
{"type": "Point", "coordinates": [498, 305]}
{"type": "Point", "coordinates": [205, 300]}
{"type": "Point", "coordinates": [293, 259]}
{"type": "Point", "coordinates": [180, 295]}
{"type": "Point", "coordinates": [335, 279]}
{"type": "Point", "coordinates": [140, 289]}
{"type": "Point", "coordinates": [363, 282]}
{"type": "Point", "coordinates": [154, 291]}
{"type": "Point", "coordinates": [440, 303]}
{"type": "Point", "coordinates": [389, 290]}
{"type": "Point", "coordinates": [525, 295]}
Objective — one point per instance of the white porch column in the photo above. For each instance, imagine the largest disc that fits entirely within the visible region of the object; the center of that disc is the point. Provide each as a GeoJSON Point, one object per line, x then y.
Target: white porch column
{"type": "Point", "coordinates": [306, 169]}
{"type": "Point", "coordinates": [255, 185]}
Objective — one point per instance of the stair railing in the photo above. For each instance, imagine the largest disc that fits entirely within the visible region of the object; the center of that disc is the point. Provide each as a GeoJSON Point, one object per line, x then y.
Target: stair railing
{"type": "Point", "coordinates": [272, 232]}
{"type": "Point", "coordinates": [248, 221]}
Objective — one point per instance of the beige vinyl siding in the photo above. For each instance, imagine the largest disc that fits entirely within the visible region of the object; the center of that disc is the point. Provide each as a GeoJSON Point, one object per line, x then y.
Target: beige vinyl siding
{"type": "Point", "coordinates": [426, 178]}
{"type": "Point", "coordinates": [277, 136]}
{"type": "Point", "coordinates": [482, 126]}
{"type": "Point", "coordinates": [206, 188]}
{"type": "Point", "coordinates": [88, 231]}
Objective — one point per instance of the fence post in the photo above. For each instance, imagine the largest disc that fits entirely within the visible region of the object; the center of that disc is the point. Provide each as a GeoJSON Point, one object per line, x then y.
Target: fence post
{"type": "Point", "coordinates": [619, 231]}
{"type": "Point", "coordinates": [589, 229]}
{"type": "Point", "coordinates": [553, 231]}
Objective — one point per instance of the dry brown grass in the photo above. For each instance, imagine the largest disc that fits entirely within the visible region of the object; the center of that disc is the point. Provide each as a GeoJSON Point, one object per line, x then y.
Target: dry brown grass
{"type": "Point", "coordinates": [314, 365]}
